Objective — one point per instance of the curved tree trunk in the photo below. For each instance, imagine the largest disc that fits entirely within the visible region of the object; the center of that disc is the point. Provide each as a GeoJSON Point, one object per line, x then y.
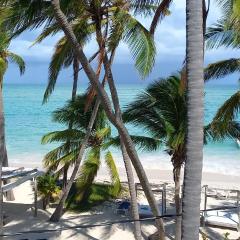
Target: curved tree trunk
{"type": "Point", "coordinates": [59, 209]}
{"type": "Point", "coordinates": [131, 151]}
{"type": "Point", "coordinates": [127, 161]}
{"type": "Point", "coordinates": [106, 103]}
{"type": "Point", "coordinates": [193, 166]}
{"type": "Point", "coordinates": [132, 190]}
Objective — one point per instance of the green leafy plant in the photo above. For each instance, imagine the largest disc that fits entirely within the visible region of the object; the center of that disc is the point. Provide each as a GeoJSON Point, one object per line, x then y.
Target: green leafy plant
{"type": "Point", "coordinates": [226, 235]}
{"type": "Point", "coordinates": [47, 189]}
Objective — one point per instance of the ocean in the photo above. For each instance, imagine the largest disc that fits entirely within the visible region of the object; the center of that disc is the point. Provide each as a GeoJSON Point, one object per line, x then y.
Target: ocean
{"type": "Point", "coordinates": [27, 120]}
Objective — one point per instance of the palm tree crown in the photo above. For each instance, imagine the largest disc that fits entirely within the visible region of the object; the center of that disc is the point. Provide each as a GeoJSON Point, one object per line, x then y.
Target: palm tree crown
{"type": "Point", "coordinates": [71, 139]}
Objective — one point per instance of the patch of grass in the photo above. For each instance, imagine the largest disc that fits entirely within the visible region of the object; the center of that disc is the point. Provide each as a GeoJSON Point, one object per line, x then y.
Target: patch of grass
{"type": "Point", "coordinates": [97, 194]}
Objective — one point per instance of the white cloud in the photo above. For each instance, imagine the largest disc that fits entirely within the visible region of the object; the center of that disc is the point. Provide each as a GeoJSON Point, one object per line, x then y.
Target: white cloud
{"type": "Point", "coordinates": [170, 39]}
{"type": "Point", "coordinates": [23, 48]}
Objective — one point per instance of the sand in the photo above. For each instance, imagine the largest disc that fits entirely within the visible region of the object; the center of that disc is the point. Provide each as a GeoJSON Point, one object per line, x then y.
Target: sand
{"type": "Point", "coordinates": [20, 213]}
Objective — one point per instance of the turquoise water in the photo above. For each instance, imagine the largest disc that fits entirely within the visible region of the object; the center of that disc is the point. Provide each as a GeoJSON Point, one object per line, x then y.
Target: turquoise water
{"type": "Point", "coordinates": [27, 120]}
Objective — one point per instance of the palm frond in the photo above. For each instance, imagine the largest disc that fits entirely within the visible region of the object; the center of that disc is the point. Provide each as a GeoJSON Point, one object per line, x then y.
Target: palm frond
{"type": "Point", "coordinates": [47, 31]}
{"type": "Point", "coordinates": [88, 172]}
{"type": "Point", "coordinates": [142, 142]}
{"type": "Point", "coordinates": [52, 164]}
{"type": "Point", "coordinates": [138, 39]}
{"type": "Point", "coordinates": [141, 4]}
{"type": "Point", "coordinates": [222, 68]}
{"type": "Point", "coordinates": [103, 132]}
{"type": "Point", "coordinates": [116, 183]}
{"type": "Point", "coordinates": [219, 130]}
{"type": "Point", "coordinates": [17, 60]}
{"type": "Point", "coordinates": [63, 136]}
{"type": "Point", "coordinates": [62, 51]}
{"type": "Point", "coordinates": [221, 34]}
{"type": "Point", "coordinates": [229, 110]}
{"type": "Point", "coordinates": [63, 55]}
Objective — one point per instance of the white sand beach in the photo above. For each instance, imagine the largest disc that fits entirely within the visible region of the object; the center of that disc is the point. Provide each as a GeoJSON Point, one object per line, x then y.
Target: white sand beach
{"type": "Point", "coordinates": [20, 213]}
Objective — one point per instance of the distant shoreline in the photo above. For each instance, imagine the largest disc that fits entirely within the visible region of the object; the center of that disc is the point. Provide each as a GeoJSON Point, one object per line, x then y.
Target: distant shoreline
{"type": "Point", "coordinates": [159, 176]}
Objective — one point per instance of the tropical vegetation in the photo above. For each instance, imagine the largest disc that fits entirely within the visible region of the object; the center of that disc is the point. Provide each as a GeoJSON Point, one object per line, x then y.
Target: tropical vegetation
{"type": "Point", "coordinates": [161, 110]}
{"type": "Point", "coordinates": [6, 56]}
{"type": "Point", "coordinates": [173, 108]}
{"type": "Point", "coordinates": [226, 33]}
{"type": "Point", "coordinates": [70, 141]}
{"type": "Point", "coordinates": [47, 189]}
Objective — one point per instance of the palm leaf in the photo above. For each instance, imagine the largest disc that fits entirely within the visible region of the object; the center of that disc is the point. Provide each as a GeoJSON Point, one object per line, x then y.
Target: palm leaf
{"type": "Point", "coordinates": [62, 136]}
{"type": "Point", "coordinates": [221, 35]}
{"type": "Point", "coordinates": [219, 130]}
{"type": "Point", "coordinates": [88, 172]}
{"type": "Point", "coordinates": [222, 68]}
{"type": "Point", "coordinates": [17, 60]}
{"type": "Point", "coordinates": [116, 183]}
{"type": "Point", "coordinates": [229, 110]}
{"type": "Point", "coordinates": [138, 39]}
{"type": "Point", "coordinates": [62, 51]}
{"type": "Point", "coordinates": [143, 142]}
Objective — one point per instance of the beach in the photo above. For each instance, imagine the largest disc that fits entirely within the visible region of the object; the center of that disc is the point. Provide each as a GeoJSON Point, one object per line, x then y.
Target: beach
{"type": "Point", "coordinates": [20, 212]}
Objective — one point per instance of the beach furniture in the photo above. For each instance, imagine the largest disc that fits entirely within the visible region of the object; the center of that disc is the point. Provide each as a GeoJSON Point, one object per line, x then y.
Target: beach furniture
{"type": "Point", "coordinates": [145, 210]}
{"type": "Point", "coordinates": [156, 189]}
{"type": "Point", "coordinates": [123, 207]}
{"type": "Point", "coordinates": [18, 176]}
{"type": "Point", "coordinates": [224, 216]}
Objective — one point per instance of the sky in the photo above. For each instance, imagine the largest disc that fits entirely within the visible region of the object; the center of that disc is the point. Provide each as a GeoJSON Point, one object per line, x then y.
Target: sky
{"type": "Point", "coordinates": [170, 45]}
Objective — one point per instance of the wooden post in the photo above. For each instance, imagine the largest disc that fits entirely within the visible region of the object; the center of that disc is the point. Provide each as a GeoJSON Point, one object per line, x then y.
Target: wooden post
{"type": "Point", "coordinates": [205, 203]}
{"type": "Point", "coordinates": [35, 197]}
{"type": "Point", "coordinates": [238, 209]}
{"type": "Point", "coordinates": [136, 188]}
{"type": "Point", "coordinates": [164, 199]}
{"type": "Point", "coordinates": [1, 210]}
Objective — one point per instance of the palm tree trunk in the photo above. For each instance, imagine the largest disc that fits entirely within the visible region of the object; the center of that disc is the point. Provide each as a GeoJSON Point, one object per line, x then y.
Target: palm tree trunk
{"type": "Point", "coordinates": [9, 195]}
{"type": "Point", "coordinates": [75, 77]}
{"type": "Point", "coordinates": [132, 190]}
{"type": "Point", "coordinates": [131, 151]}
{"type": "Point", "coordinates": [59, 209]}
{"type": "Point", "coordinates": [65, 176]}
{"type": "Point", "coordinates": [106, 103]}
{"type": "Point", "coordinates": [193, 166]}
{"type": "Point", "coordinates": [177, 198]}
{"type": "Point", "coordinates": [74, 94]}
{"type": "Point", "coordinates": [127, 161]}
{"type": "Point", "coordinates": [2, 152]}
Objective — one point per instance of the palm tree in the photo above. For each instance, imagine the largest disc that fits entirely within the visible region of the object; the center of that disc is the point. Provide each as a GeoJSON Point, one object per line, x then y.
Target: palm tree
{"type": "Point", "coordinates": [63, 22]}
{"type": "Point", "coordinates": [134, 31]}
{"type": "Point", "coordinates": [21, 20]}
{"type": "Point", "coordinates": [161, 110]}
{"type": "Point", "coordinates": [194, 154]}
{"type": "Point", "coordinates": [225, 33]}
{"type": "Point", "coordinates": [47, 189]}
{"type": "Point", "coordinates": [6, 56]}
{"type": "Point", "coordinates": [71, 139]}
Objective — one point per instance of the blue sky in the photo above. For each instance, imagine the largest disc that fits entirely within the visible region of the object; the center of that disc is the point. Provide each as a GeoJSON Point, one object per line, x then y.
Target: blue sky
{"type": "Point", "coordinates": [170, 43]}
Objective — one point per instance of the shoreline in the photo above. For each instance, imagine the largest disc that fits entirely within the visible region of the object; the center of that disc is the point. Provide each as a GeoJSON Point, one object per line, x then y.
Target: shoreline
{"type": "Point", "coordinates": [160, 176]}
